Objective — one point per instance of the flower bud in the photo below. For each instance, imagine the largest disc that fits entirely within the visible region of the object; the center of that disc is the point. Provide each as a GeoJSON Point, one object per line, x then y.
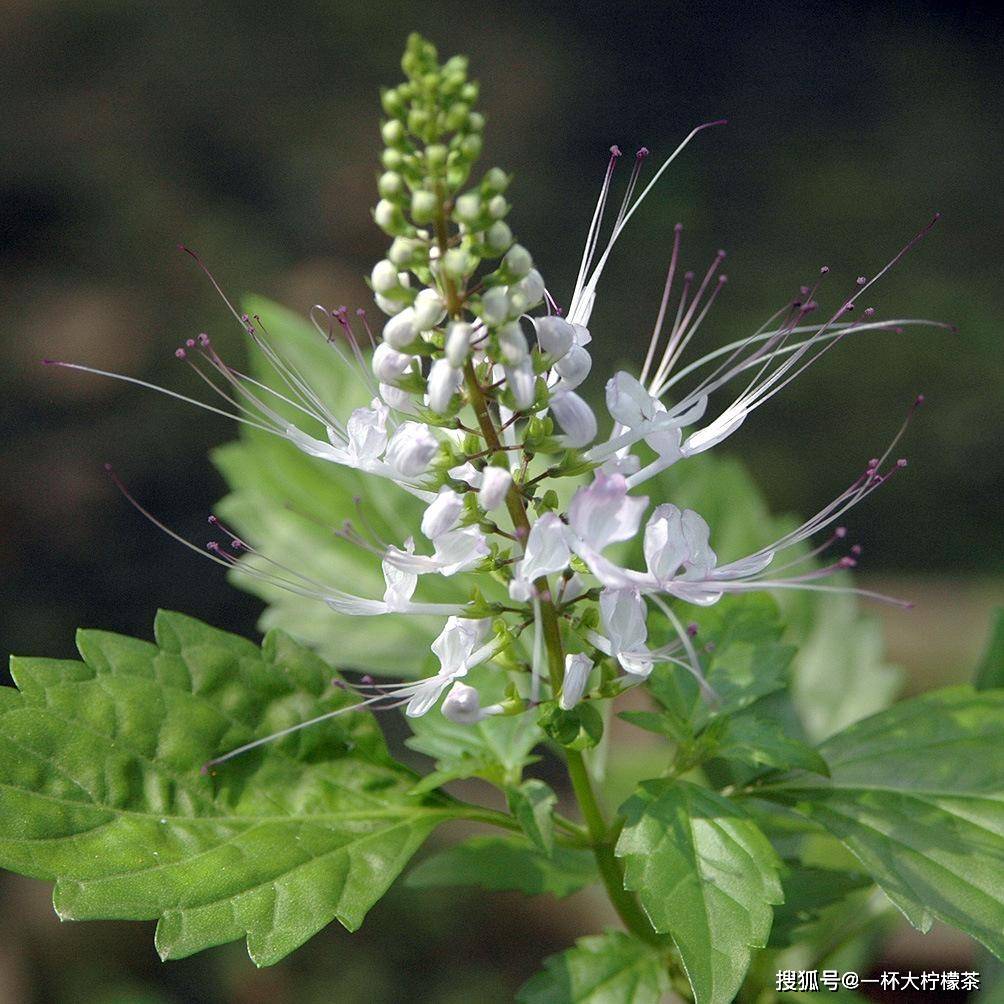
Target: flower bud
{"type": "Point", "coordinates": [458, 263]}
{"type": "Point", "coordinates": [494, 309]}
{"type": "Point", "coordinates": [411, 449]}
{"type": "Point", "coordinates": [575, 417]}
{"type": "Point", "coordinates": [402, 251]}
{"type": "Point", "coordinates": [463, 705]}
{"type": "Point", "coordinates": [528, 292]}
{"type": "Point", "coordinates": [398, 330]}
{"type": "Point", "coordinates": [429, 310]}
{"type": "Point", "coordinates": [392, 132]}
{"type": "Point", "coordinates": [577, 670]}
{"type": "Point", "coordinates": [398, 399]}
{"type": "Point", "coordinates": [512, 343]}
{"type": "Point", "coordinates": [390, 185]}
{"type": "Point", "coordinates": [443, 513]}
{"type": "Point", "coordinates": [388, 306]}
{"type": "Point", "coordinates": [555, 335]}
{"type": "Point", "coordinates": [497, 207]}
{"type": "Point", "coordinates": [495, 484]}
{"type": "Point", "coordinates": [517, 261]}
{"type": "Point", "coordinates": [467, 209]}
{"type": "Point", "coordinates": [495, 181]}
{"type": "Point", "coordinates": [423, 206]}
{"type": "Point", "coordinates": [384, 277]}
{"type": "Point", "coordinates": [389, 365]}
{"type": "Point", "coordinates": [522, 383]}
{"type": "Point", "coordinates": [389, 218]}
{"type": "Point", "coordinates": [444, 381]}
{"type": "Point", "coordinates": [458, 343]}
{"type": "Point", "coordinates": [574, 366]}
{"type": "Point", "coordinates": [498, 236]}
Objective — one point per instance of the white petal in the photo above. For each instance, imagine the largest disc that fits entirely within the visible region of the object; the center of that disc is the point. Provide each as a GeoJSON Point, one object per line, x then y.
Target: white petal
{"type": "Point", "coordinates": [603, 513]}
{"type": "Point", "coordinates": [547, 549]}
{"type": "Point", "coordinates": [575, 417]}
{"type": "Point", "coordinates": [443, 513]}
{"type": "Point", "coordinates": [577, 670]}
{"type": "Point", "coordinates": [495, 482]}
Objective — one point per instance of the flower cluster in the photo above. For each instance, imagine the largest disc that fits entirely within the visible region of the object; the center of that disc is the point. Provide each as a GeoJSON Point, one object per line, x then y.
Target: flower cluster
{"type": "Point", "coordinates": [477, 409]}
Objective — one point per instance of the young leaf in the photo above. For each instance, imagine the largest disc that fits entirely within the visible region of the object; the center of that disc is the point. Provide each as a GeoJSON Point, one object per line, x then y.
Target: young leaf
{"type": "Point", "coordinates": [532, 803]}
{"type": "Point", "coordinates": [498, 863]}
{"type": "Point", "coordinates": [706, 875]}
{"type": "Point", "coordinates": [762, 743]}
{"type": "Point", "coordinates": [101, 790]}
{"type": "Point", "coordinates": [990, 671]}
{"type": "Point", "coordinates": [917, 794]}
{"type": "Point", "coordinates": [611, 968]}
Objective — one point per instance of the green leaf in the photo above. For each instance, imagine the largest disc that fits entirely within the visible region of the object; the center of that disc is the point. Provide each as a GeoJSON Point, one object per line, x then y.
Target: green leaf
{"type": "Point", "coordinates": [611, 968]}
{"type": "Point", "coordinates": [532, 803]}
{"type": "Point", "coordinates": [990, 671]}
{"type": "Point", "coordinates": [762, 743]}
{"type": "Point", "coordinates": [500, 863]}
{"type": "Point", "coordinates": [101, 790]}
{"type": "Point", "coordinates": [579, 728]}
{"type": "Point", "coordinates": [287, 503]}
{"type": "Point", "coordinates": [917, 794]}
{"type": "Point", "coordinates": [706, 875]}
{"type": "Point", "coordinates": [496, 749]}
{"type": "Point", "coordinates": [746, 660]}
{"type": "Point", "coordinates": [808, 891]}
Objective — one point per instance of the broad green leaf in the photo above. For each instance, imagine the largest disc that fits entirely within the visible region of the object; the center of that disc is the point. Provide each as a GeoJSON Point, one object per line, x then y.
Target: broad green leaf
{"type": "Point", "coordinates": [611, 968]}
{"type": "Point", "coordinates": [808, 890]}
{"type": "Point", "coordinates": [287, 505]}
{"type": "Point", "coordinates": [579, 728]}
{"type": "Point", "coordinates": [990, 671]}
{"type": "Point", "coordinates": [917, 794]}
{"type": "Point", "coordinates": [101, 790]}
{"type": "Point", "coordinates": [499, 863]}
{"type": "Point", "coordinates": [743, 658]}
{"type": "Point", "coordinates": [496, 749]}
{"type": "Point", "coordinates": [532, 803]}
{"type": "Point", "coordinates": [762, 743]}
{"type": "Point", "coordinates": [706, 875]}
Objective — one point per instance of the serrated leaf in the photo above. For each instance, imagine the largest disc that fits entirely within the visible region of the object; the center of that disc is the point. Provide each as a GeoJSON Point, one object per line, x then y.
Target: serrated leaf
{"type": "Point", "coordinates": [706, 875]}
{"type": "Point", "coordinates": [101, 791]}
{"type": "Point", "coordinates": [578, 728]}
{"type": "Point", "coordinates": [808, 890]}
{"type": "Point", "coordinates": [496, 749]}
{"type": "Point", "coordinates": [611, 968]}
{"type": "Point", "coordinates": [989, 672]}
{"type": "Point", "coordinates": [501, 863]}
{"type": "Point", "coordinates": [763, 743]}
{"type": "Point", "coordinates": [917, 794]}
{"type": "Point", "coordinates": [532, 803]}
{"type": "Point", "coordinates": [286, 503]}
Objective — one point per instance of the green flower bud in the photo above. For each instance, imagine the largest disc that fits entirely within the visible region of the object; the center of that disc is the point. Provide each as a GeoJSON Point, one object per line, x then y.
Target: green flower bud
{"type": "Point", "coordinates": [392, 132]}
{"type": "Point", "coordinates": [497, 207]}
{"type": "Point", "coordinates": [404, 251]}
{"type": "Point", "coordinates": [392, 101]}
{"type": "Point", "coordinates": [392, 160]}
{"type": "Point", "coordinates": [499, 237]}
{"type": "Point", "coordinates": [418, 121]}
{"type": "Point", "coordinates": [457, 116]}
{"type": "Point", "coordinates": [435, 156]}
{"type": "Point", "coordinates": [424, 206]}
{"type": "Point", "coordinates": [469, 93]}
{"type": "Point", "coordinates": [470, 146]}
{"type": "Point", "coordinates": [495, 181]}
{"type": "Point", "coordinates": [458, 263]}
{"type": "Point", "coordinates": [390, 185]}
{"type": "Point", "coordinates": [517, 261]}
{"type": "Point", "coordinates": [475, 122]}
{"type": "Point", "coordinates": [389, 218]}
{"type": "Point", "coordinates": [494, 309]}
{"type": "Point", "coordinates": [468, 208]}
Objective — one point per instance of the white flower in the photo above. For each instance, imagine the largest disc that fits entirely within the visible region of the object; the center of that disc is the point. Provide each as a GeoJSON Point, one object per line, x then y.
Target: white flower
{"type": "Point", "coordinates": [573, 367]}
{"type": "Point", "coordinates": [495, 482]}
{"type": "Point", "coordinates": [367, 434]}
{"type": "Point", "coordinates": [411, 449]}
{"type": "Point", "coordinates": [522, 382]}
{"type": "Point", "coordinates": [457, 649]}
{"type": "Point", "coordinates": [577, 670]}
{"type": "Point", "coordinates": [443, 513]}
{"type": "Point", "coordinates": [454, 551]}
{"type": "Point", "coordinates": [622, 615]}
{"type": "Point", "coordinates": [575, 417]}
{"type": "Point", "coordinates": [603, 513]}
{"type": "Point", "coordinates": [547, 549]}
{"type": "Point", "coordinates": [444, 382]}
{"type": "Point", "coordinates": [389, 365]}
{"type": "Point", "coordinates": [555, 335]}
{"type": "Point", "coordinates": [512, 343]}
{"type": "Point", "coordinates": [400, 584]}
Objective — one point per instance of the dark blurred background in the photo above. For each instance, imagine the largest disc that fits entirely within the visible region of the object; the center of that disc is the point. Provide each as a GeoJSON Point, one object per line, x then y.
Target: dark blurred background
{"type": "Point", "coordinates": [249, 131]}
